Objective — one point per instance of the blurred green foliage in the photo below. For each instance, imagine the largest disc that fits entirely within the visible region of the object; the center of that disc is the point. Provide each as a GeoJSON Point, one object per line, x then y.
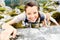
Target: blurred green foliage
{"type": "Point", "coordinates": [2, 9]}
{"type": "Point", "coordinates": [56, 15]}
{"type": "Point", "coordinates": [12, 13]}
{"type": "Point", "coordinates": [45, 8]}
{"type": "Point", "coordinates": [21, 7]}
{"type": "Point", "coordinates": [1, 17]}
{"type": "Point", "coordinates": [18, 25]}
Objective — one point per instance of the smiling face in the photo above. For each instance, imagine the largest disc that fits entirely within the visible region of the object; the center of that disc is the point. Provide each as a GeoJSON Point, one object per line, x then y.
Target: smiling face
{"type": "Point", "coordinates": [32, 13]}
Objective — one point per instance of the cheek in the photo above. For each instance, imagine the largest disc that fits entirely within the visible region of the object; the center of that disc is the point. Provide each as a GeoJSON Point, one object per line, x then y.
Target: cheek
{"type": "Point", "coordinates": [29, 16]}
{"type": "Point", "coordinates": [36, 16]}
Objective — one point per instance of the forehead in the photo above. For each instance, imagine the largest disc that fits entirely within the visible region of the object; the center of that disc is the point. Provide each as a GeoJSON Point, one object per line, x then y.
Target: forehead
{"type": "Point", "coordinates": [31, 9]}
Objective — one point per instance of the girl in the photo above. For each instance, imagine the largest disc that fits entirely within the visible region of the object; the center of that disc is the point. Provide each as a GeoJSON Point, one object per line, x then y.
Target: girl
{"type": "Point", "coordinates": [31, 16]}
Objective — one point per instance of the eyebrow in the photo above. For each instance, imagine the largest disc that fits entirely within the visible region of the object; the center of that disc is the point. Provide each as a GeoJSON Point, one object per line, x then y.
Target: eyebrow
{"type": "Point", "coordinates": [29, 13]}
{"type": "Point", "coordinates": [34, 12]}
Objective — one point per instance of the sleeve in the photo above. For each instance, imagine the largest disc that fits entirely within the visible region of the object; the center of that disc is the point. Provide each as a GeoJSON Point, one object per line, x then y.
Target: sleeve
{"type": "Point", "coordinates": [43, 14]}
{"type": "Point", "coordinates": [18, 18]}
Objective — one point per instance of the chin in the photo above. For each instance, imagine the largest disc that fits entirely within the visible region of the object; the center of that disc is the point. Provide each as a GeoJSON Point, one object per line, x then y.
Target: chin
{"type": "Point", "coordinates": [33, 21]}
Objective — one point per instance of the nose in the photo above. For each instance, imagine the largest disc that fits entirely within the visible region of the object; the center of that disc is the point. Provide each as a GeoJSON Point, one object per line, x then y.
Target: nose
{"type": "Point", "coordinates": [32, 16]}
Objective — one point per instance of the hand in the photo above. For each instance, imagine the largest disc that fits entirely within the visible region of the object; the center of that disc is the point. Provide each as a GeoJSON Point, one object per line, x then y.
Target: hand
{"type": "Point", "coordinates": [14, 33]}
{"type": "Point", "coordinates": [7, 32]}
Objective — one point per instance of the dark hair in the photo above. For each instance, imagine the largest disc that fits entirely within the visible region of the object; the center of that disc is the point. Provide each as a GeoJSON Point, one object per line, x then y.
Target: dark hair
{"type": "Point", "coordinates": [31, 4]}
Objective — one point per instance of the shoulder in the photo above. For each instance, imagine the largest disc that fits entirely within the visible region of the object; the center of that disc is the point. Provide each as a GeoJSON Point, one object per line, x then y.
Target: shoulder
{"type": "Point", "coordinates": [42, 14]}
{"type": "Point", "coordinates": [22, 15]}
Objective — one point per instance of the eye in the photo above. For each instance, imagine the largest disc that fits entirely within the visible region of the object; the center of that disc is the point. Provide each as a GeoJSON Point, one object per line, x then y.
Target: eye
{"type": "Point", "coordinates": [35, 12]}
{"type": "Point", "coordinates": [29, 13]}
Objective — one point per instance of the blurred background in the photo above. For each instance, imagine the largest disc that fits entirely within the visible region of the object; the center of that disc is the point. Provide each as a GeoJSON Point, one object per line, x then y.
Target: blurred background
{"type": "Point", "coordinates": [10, 8]}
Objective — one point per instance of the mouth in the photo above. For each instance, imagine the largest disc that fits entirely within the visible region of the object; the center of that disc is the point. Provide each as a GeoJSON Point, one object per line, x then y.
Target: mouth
{"type": "Point", "coordinates": [33, 20]}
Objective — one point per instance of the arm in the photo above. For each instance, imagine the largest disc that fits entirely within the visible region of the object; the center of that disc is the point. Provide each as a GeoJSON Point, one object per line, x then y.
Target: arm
{"type": "Point", "coordinates": [53, 20]}
{"type": "Point", "coordinates": [16, 19]}
{"type": "Point", "coordinates": [10, 29]}
{"type": "Point", "coordinates": [44, 23]}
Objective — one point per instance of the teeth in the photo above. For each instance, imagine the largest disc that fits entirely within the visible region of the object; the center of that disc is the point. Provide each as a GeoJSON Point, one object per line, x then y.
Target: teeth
{"type": "Point", "coordinates": [33, 20]}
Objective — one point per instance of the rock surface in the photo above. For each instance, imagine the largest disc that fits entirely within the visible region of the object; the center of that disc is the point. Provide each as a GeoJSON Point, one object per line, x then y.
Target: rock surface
{"type": "Point", "coordinates": [43, 33]}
